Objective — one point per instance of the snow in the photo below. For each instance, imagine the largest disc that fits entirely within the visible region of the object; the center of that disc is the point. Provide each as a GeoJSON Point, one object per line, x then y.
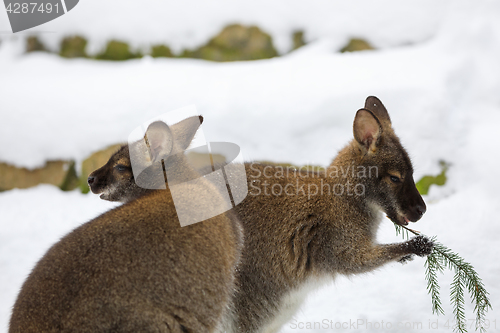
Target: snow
{"type": "Point", "coordinates": [190, 23]}
{"type": "Point", "coordinates": [437, 72]}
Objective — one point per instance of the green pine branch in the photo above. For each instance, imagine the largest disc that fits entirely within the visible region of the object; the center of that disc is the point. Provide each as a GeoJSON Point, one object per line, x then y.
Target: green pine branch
{"type": "Point", "coordinates": [465, 278]}
{"type": "Point", "coordinates": [432, 266]}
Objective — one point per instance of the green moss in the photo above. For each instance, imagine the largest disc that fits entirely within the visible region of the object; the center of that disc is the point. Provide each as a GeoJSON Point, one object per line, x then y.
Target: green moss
{"type": "Point", "coordinates": [357, 44]}
{"type": "Point", "coordinates": [158, 51]}
{"type": "Point", "coordinates": [84, 188]}
{"type": "Point", "coordinates": [70, 182]}
{"type": "Point", "coordinates": [425, 183]}
{"type": "Point", "coordinates": [117, 51]}
{"type": "Point", "coordinates": [234, 43]}
{"type": "Point", "coordinates": [298, 39]}
{"type": "Point", "coordinates": [73, 47]}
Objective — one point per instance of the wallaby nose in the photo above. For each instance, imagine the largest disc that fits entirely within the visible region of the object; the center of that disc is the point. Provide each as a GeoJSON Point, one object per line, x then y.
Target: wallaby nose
{"type": "Point", "coordinates": [421, 210]}
{"type": "Point", "coordinates": [90, 180]}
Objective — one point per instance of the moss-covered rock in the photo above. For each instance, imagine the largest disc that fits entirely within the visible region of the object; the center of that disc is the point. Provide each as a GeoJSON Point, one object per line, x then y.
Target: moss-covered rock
{"type": "Point", "coordinates": [298, 39]}
{"type": "Point", "coordinates": [71, 181]}
{"type": "Point", "coordinates": [117, 51]}
{"type": "Point", "coordinates": [94, 162]}
{"type": "Point", "coordinates": [425, 183]}
{"type": "Point", "coordinates": [58, 173]}
{"type": "Point", "coordinates": [357, 44]}
{"type": "Point", "coordinates": [73, 47]}
{"type": "Point", "coordinates": [236, 42]}
{"type": "Point", "coordinates": [158, 51]}
{"type": "Point", "coordinates": [34, 44]}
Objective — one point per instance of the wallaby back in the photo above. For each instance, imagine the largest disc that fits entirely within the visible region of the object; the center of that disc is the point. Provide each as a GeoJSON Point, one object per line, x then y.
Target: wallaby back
{"type": "Point", "coordinates": [135, 269]}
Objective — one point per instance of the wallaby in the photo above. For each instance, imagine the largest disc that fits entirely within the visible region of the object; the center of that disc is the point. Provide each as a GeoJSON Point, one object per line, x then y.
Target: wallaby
{"type": "Point", "coordinates": [134, 268]}
{"type": "Point", "coordinates": [302, 228]}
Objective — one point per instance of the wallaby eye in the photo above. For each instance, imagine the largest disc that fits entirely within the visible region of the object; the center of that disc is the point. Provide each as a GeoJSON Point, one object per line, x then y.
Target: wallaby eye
{"type": "Point", "coordinates": [395, 179]}
{"type": "Point", "coordinates": [121, 167]}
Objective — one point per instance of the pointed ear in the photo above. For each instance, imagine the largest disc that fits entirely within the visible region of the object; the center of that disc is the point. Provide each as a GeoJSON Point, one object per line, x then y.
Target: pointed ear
{"type": "Point", "coordinates": [185, 130]}
{"type": "Point", "coordinates": [367, 129]}
{"type": "Point", "coordinates": [374, 104]}
{"type": "Point", "coordinates": [159, 139]}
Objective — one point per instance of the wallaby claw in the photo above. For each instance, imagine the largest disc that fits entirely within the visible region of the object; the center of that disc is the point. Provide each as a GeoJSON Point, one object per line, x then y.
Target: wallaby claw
{"type": "Point", "coordinates": [406, 259]}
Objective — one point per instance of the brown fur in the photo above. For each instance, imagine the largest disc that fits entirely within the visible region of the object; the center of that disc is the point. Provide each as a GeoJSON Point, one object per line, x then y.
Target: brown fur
{"type": "Point", "coordinates": [291, 240]}
{"type": "Point", "coordinates": [135, 269]}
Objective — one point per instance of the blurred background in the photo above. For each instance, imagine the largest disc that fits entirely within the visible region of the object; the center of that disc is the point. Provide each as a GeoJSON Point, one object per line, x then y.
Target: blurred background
{"type": "Point", "coordinates": [283, 80]}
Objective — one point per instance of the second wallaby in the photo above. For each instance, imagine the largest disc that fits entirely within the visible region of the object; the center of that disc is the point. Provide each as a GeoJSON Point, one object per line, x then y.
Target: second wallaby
{"type": "Point", "coordinates": [134, 268]}
{"type": "Point", "coordinates": [303, 228]}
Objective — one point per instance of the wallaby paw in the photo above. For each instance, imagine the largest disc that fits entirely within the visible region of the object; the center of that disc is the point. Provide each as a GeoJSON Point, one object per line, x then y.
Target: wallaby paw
{"type": "Point", "coordinates": [406, 259]}
{"type": "Point", "coordinates": [421, 246]}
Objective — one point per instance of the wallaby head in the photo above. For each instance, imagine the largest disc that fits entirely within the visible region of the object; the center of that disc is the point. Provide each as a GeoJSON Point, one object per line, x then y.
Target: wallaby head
{"type": "Point", "coordinates": [115, 180]}
{"type": "Point", "coordinates": [376, 147]}
{"type": "Point", "coordinates": [134, 268]}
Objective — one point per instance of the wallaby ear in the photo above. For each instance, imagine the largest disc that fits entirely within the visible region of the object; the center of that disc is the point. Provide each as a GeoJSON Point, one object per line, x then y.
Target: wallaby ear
{"type": "Point", "coordinates": [374, 104]}
{"type": "Point", "coordinates": [185, 130]}
{"type": "Point", "coordinates": [160, 140]}
{"type": "Point", "coordinates": [367, 129]}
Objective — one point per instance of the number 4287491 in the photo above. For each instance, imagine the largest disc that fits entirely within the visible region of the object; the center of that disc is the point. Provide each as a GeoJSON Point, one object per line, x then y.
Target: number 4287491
{"type": "Point", "coordinates": [26, 7]}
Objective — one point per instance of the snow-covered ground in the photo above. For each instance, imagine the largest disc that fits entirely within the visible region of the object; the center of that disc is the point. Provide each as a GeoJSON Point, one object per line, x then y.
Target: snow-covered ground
{"type": "Point", "coordinates": [442, 92]}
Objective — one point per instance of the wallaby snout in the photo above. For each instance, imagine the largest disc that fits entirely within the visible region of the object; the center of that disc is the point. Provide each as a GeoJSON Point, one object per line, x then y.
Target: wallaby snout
{"type": "Point", "coordinates": [416, 207]}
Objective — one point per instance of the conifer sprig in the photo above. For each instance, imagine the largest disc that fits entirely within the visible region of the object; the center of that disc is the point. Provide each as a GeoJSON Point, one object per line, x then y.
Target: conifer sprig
{"type": "Point", "coordinates": [432, 267]}
{"type": "Point", "coordinates": [465, 278]}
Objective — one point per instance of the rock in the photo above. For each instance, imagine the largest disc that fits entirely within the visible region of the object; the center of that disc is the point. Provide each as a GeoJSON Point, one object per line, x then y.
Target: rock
{"type": "Point", "coordinates": [357, 44]}
{"type": "Point", "coordinates": [158, 51]}
{"type": "Point", "coordinates": [236, 42]}
{"type": "Point", "coordinates": [118, 51]}
{"type": "Point", "coordinates": [73, 47]}
{"type": "Point", "coordinates": [58, 173]}
{"type": "Point", "coordinates": [298, 39]}
{"type": "Point", "coordinates": [34, 44]}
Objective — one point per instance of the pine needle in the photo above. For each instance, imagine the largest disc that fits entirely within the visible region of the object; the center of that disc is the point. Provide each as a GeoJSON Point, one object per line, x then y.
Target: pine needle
{"type": "Point", "coordinates": [465, 278]}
